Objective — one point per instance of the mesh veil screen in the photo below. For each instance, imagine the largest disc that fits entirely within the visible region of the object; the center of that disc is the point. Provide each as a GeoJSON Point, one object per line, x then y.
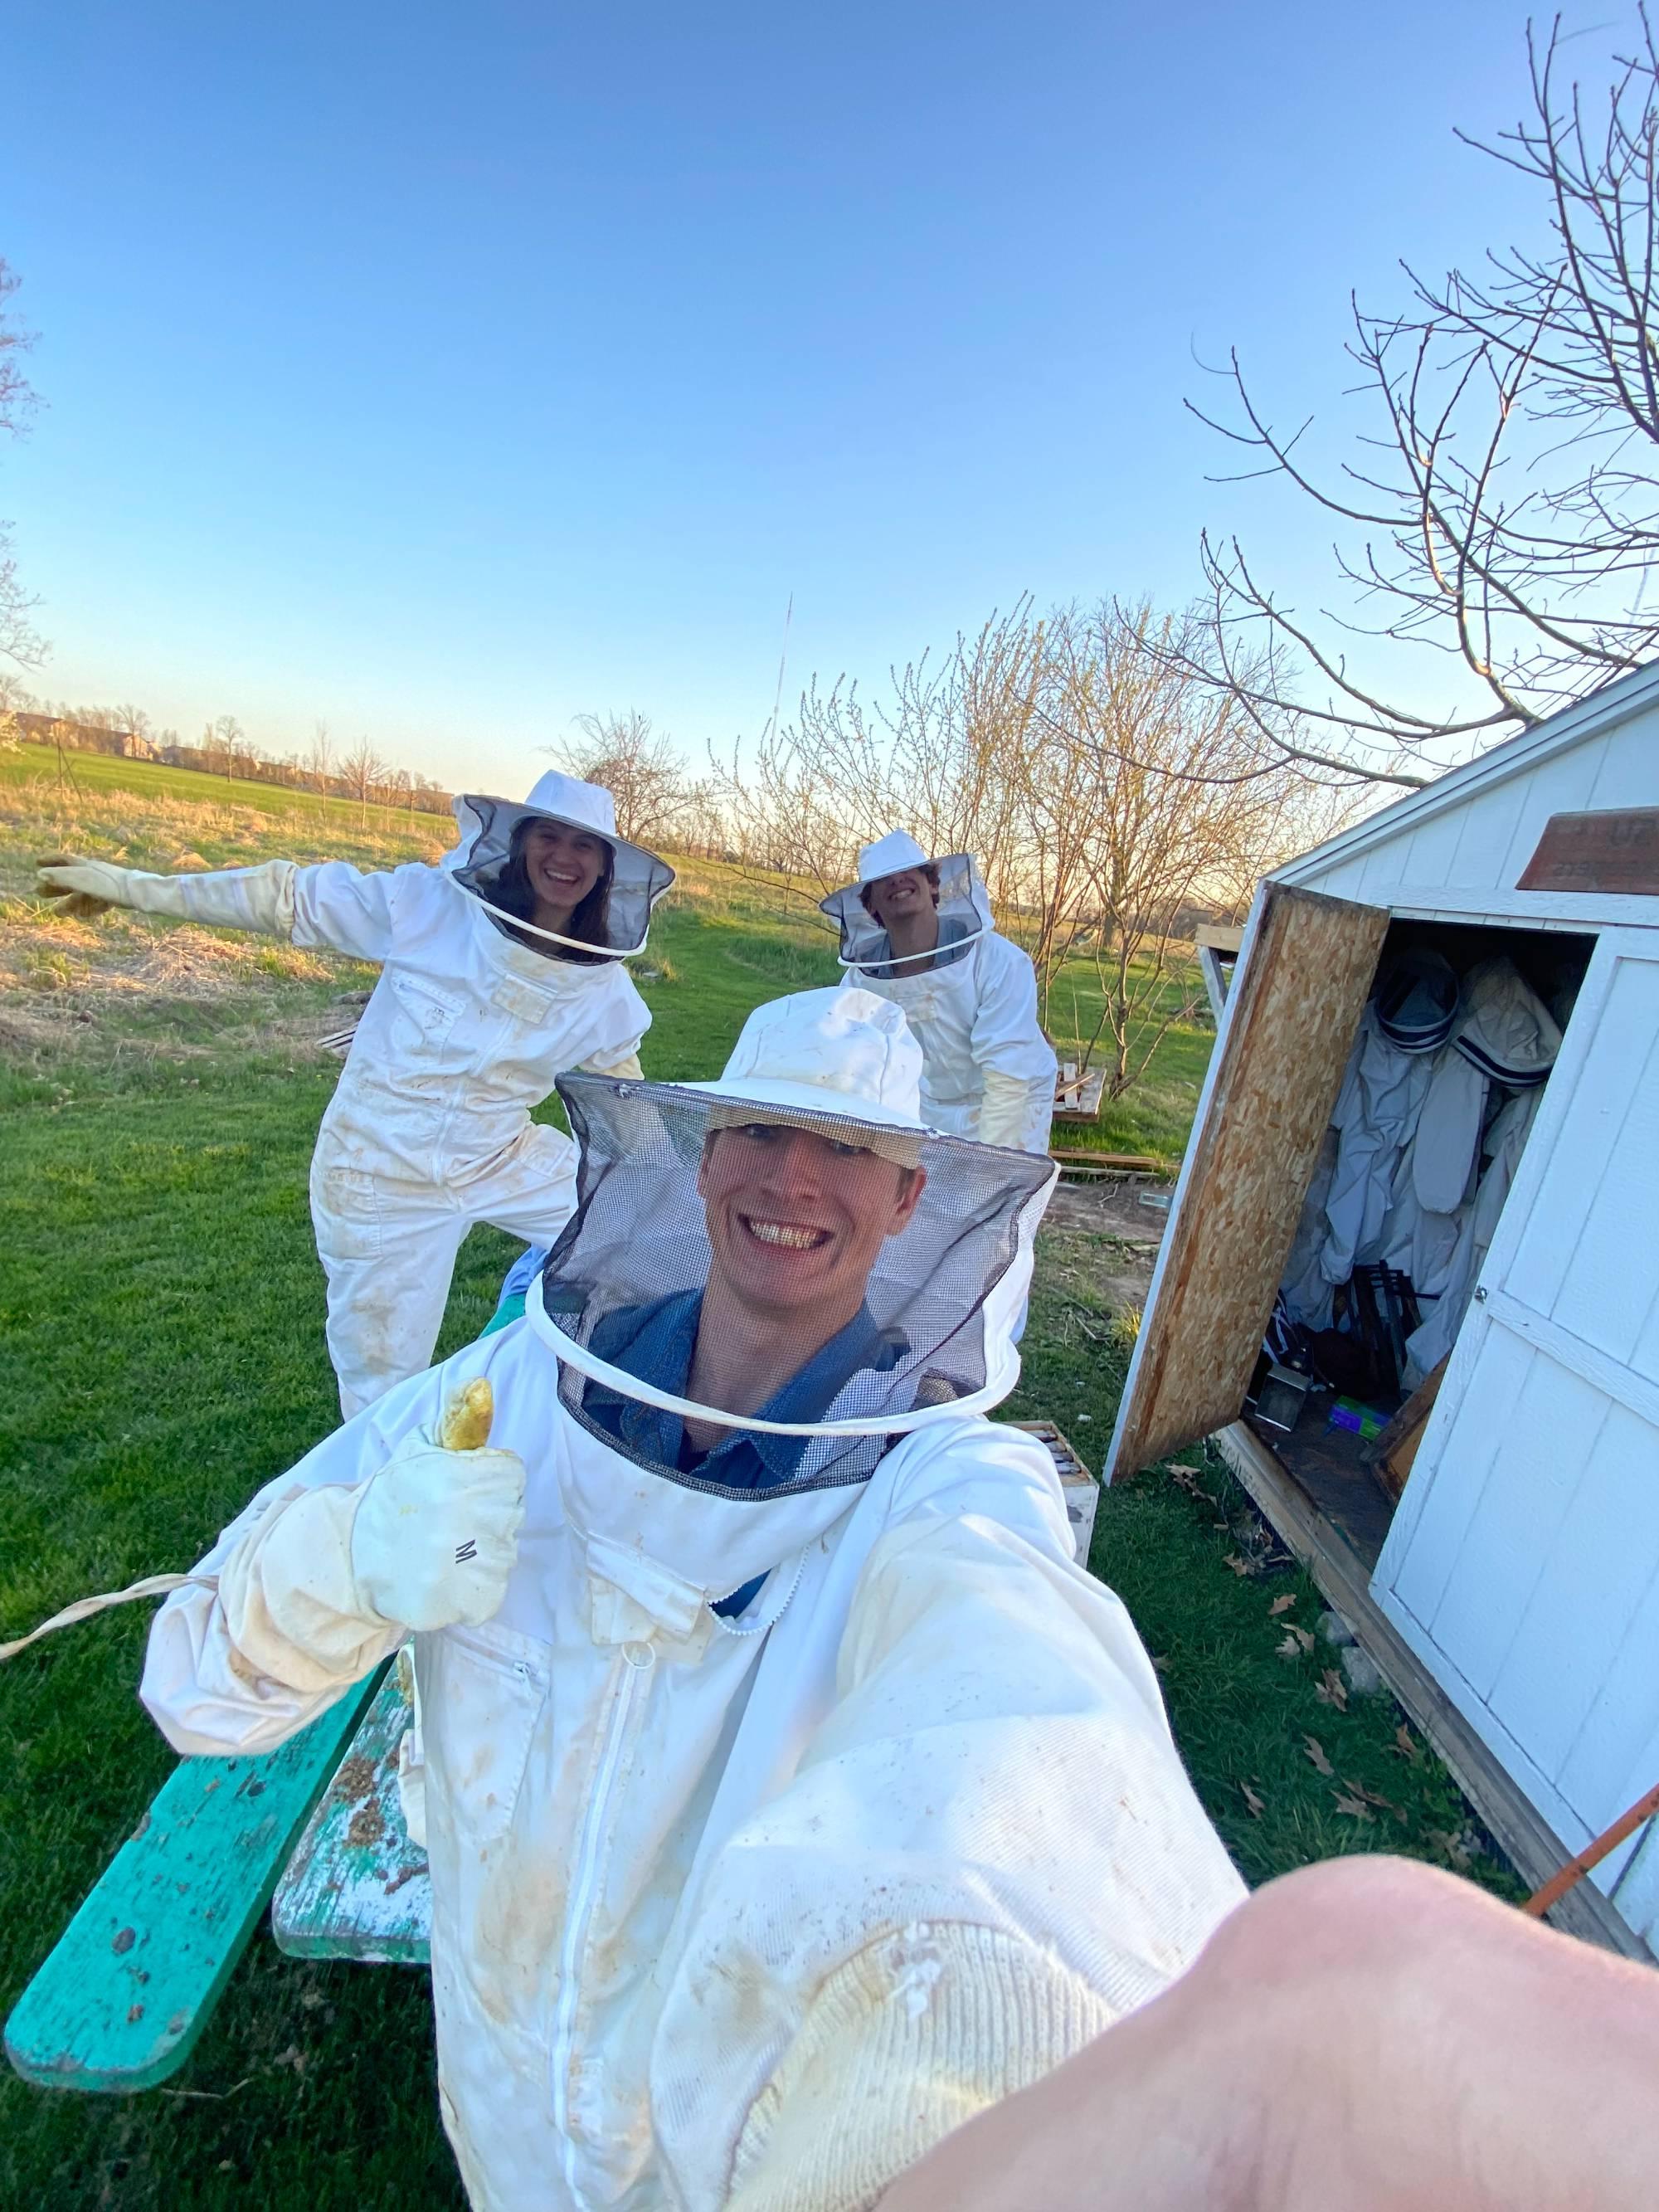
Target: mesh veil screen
{"type": "Point", "coordinates": [884, 1323]}
{"type": "Point", "coordinates": [638, 878]}
{"type": "Point", "coordinates": [963, 913]}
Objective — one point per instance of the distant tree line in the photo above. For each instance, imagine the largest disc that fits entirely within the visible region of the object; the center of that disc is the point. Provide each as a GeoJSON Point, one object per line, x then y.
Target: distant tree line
{"type": "Point", "coordinates": [222, 749]}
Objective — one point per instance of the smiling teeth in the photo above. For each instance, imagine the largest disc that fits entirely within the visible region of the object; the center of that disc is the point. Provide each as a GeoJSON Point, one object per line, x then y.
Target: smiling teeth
{"type": "Point", "coordinates": [780, 1232]}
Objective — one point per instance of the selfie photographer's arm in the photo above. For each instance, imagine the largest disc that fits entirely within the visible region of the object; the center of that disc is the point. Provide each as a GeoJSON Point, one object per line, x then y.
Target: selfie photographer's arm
{"type": "Point", "coordinates": [990, 1853]}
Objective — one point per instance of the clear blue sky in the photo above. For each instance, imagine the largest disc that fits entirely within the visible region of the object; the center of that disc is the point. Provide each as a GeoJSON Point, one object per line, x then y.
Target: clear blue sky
{"type": "Point", "coordinates": [445, 371]}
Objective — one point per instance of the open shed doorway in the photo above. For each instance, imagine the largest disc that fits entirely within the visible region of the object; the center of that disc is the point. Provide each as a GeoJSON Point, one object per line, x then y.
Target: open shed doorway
{"type": "Point", "coordinates": [1460, 1027]}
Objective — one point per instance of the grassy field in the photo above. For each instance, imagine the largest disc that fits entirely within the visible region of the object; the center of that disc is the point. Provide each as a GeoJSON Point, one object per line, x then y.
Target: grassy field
{"type": "Point", "coordinates": [162, 1310]}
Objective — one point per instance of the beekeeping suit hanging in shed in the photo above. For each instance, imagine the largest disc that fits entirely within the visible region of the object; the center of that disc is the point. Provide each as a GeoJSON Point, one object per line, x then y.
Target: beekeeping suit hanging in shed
{"type": "Point", "coordinates": [1477, 1113]}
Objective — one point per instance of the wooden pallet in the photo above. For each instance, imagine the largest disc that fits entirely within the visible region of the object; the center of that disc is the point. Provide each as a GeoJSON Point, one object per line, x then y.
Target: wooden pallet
{"type": "Point", "coordinates": [1081, 1489]}
{"type": "Point", "coordinates": [1078, 1097]}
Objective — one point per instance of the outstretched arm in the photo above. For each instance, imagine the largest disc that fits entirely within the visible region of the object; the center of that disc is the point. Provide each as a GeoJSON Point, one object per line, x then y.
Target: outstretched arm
{"type": "Point", "coordinates": [990, 1853]}
{"type": "Point", "coordinates": [1368, 2033]}
{"type": "Point", "coordinates": [331, 903]}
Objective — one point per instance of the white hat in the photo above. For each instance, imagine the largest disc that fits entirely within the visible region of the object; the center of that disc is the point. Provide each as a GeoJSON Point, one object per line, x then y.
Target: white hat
{"type": "Point", "coordinates": [964, 911]}
{"type": "Point", "coordinates": [840, 1055]}
{"type": "Point", "coordinates": [888, 855]}
{"type": "Point", "coordinates": [487, 826]}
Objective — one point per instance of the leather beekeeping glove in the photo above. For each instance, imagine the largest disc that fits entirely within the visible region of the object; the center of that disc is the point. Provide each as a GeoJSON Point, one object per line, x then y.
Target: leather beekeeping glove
{"type": "Point", "coordinates": [436, 1535]}
{"type": "Point", "coordinates": [80, 889]}
{"type": "Point", "coordinates": [259, 897]}
{"type": "Point", "coordinates": [1011, 1110]}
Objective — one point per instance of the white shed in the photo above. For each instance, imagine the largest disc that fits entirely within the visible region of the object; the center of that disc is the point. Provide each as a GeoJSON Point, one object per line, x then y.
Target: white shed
{"type": "Point", "coordinates": [1510, 1595]}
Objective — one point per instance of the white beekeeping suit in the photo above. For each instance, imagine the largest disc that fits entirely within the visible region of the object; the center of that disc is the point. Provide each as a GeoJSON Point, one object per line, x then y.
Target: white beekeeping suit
{"type": "Point", "coordinates": [1345, 1215]}
{"type": "Point", "coordinates": [792, 1793]}
{"type": "Point", "coordinates": [1456, 1172]}
{"type": "Point", "coordinates": [987, 1070]}
{"type": "Point", "coordinates": [475, 1011]}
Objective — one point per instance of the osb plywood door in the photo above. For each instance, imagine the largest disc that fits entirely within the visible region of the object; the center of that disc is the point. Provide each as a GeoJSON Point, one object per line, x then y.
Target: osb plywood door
{"type": "Point", "coordinates": [1295, 1005]}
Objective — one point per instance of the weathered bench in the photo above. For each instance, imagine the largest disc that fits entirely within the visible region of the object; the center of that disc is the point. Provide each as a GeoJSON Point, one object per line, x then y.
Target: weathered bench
{"type": "Point", "coordinates": [120, 2003]}
{"type": "Point", "coordinates": [356, 1886]}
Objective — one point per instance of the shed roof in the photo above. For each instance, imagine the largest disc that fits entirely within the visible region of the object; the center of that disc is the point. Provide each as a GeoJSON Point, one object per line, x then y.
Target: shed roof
{"type": "Point", "coordinates": [1589, 721]}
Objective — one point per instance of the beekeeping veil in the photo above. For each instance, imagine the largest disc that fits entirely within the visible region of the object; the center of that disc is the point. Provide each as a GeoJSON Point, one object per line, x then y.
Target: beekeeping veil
{"type": "Point", "coordinates": [692, 1193]}
{"type": "Point", "coordinates": [1504, 1035]}
{"type": "Point", "coordinates": [638, 878]}
{"type": "Point", "coordinates": [964, 911]}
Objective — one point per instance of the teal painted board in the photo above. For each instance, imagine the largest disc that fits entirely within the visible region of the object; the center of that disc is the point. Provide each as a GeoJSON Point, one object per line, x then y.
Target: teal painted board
{"type": "Point", "coordinates": [120, 2003]}
{"type": "Point", "coordinates": [357, 1887]}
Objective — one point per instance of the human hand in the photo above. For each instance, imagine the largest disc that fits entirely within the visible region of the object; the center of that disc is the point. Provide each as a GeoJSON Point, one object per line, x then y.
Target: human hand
{"type": "Point", "coordinates": [1366, 2033]}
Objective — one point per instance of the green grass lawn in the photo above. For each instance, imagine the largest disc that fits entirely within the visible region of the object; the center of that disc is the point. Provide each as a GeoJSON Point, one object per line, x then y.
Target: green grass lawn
{"type": "Point", "coordinates": [161, 1308]}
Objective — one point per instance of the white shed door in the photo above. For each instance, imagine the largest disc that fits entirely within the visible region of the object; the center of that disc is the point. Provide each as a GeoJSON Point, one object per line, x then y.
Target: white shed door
{"type": "Point", "coordinates": [1523, 1562]}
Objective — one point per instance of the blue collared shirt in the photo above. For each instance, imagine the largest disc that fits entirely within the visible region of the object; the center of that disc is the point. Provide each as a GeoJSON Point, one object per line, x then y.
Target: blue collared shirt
{"type": "Point", "coordinates": [952, 931]}
{"type": "Point", "coordinates": [655, 1342]}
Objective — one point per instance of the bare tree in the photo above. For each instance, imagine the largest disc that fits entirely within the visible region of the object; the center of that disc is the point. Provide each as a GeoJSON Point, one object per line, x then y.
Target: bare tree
{"type": "Point", "coordinates": [1152, 786]}
{"type": "Point", "coordinates": [225, 744]}
{"type": "Point", "coordinates": [362, 772]}
{"type": "Point", "coordinates": [939, 751]}
{"type": "Point", "coordinates": [640, 768]}
{"type": "Point", "coordinates": [19, 639]}
{"type": "Point", "coordinates": [321, 752]}
{"type": "Point", "coordinates": [1501, 523]}
{"type": "Point", "coordinates": [1103, 792]}
{"type": "Point", "coordinates": [127, 716]}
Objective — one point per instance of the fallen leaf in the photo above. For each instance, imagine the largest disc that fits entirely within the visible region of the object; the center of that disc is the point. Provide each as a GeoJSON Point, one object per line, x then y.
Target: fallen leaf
{"type": "Point", "coordinates": [1375, 1798]}
{"type": "Point", "coordinates": [1450, 1847]}
{"type": "Point", "coordinates": [1406, 1743]}
{"type": "Point", "coordinates": [1331, 1690]}
{"type": "Point", "coordinates": [1254, 1803]}
{"type": "Point", "coordinates": [1296, 1643]}
{"type": "Point", "coordinates": [1160, 1663]}
{"type": "Point", "coordinates": [1239, 1566]}
{"type": "Point", "coordinates": [1351, 1808]}
{"type": "Point", "coordinates": [1280, 1605]}
{"type": "Point", "coordinates": [1315, 1752]}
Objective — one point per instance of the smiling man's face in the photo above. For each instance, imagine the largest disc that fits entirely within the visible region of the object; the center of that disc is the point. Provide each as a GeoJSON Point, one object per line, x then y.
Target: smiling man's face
{"type": "Point", "coordinates": [796, 1219]}
{"type": "Point", "coordinates": [901, 896]}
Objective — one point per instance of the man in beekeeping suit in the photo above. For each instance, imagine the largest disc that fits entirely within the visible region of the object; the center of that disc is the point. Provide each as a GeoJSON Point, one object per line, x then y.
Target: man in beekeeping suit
{"type": "Point", "coordinates": [792, 1795]}
{"type": "Point", "coordinates": [919, 932]}
{"type": "Point", "coordinates": [501, 970]}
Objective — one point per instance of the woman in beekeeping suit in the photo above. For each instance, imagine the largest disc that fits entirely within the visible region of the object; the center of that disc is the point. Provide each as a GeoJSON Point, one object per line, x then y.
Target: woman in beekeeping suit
{"type": "Point", "coordinates": [792, 1793]}
{"type": "Point", "coordinates": [919, 932]}
{"type": "Point", "coordinates": [500, 969]}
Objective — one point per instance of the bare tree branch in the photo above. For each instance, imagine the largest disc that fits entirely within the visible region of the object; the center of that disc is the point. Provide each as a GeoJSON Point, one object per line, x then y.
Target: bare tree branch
{"type": "Point", "coordinates": [1510, 517]}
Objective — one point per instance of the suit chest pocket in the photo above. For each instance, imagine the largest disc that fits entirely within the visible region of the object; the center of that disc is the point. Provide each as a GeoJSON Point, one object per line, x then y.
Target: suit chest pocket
{"type": "Point", "coordinates": [425, 1013]}
{"type": "Point", "coordinates": [484, 1693]}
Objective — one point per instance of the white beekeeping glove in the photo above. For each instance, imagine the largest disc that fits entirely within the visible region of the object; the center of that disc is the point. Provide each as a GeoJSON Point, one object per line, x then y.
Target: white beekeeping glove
{"type": "Point", "coordinates": [259, 898]}
{"type": "Point", "coordinates": [1011, 1111]}
{"type": "Point", "coordinates": [436, 1534]}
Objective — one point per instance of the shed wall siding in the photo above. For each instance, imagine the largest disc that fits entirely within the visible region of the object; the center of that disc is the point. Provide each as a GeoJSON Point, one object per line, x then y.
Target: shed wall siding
{"type": "Point", "coordinates": [1525, 1555]}
{"type": "Point", "coordinates": [1483, 841]}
